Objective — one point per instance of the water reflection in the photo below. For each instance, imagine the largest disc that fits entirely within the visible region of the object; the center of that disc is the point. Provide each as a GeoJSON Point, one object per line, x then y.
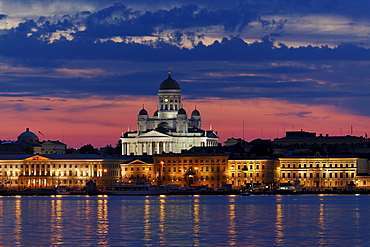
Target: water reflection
{"type": "Point", "coordinates": [18, 222]}
{"type": "Point", "coordinates": [56, 222]}
{"type": "Point", "coordinates": [232, 225]}
{"type": "Point", "coordinates": [103, 222]}
{"type": "Point", "coordinates": [196, 221]}
{"type": "Point", "coordinates": [279, 222]}
{"type": "Point", "coordinates": [162, 221]}
{"type": "Point", "coordinates": [185, 221]}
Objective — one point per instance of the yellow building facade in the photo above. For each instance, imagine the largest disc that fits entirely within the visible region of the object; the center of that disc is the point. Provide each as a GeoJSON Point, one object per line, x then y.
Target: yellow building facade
{"type": "Point", "coordinates": [39, 171]}
{"type": "Point", "coordinates": [192, 170]}
{"type": "Point", "coordinates": [323, 172]}
{"type": "Point", "coordinates": [243, 172]}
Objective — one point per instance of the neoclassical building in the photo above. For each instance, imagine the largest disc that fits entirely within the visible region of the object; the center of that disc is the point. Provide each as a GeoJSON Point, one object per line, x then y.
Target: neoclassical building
{"type": "Point", "coordinates": [52, 170]}
{"type": "Point", "coordinates": [169, 130]}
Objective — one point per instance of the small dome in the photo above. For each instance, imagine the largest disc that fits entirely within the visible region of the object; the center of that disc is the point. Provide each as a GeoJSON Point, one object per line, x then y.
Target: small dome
{"type": "Point", "coordinates": [169, 83]}
{"type": "Point", "coordinates": [28, 136]}
{"type": "Point", "coordinates": [143, 112]}
{"type": "Point", "coordinates": [195, 113]}
{"type": "Point", "coordinates": [155, 113]}
{"type": "Point", "coordinates": [181, 111]}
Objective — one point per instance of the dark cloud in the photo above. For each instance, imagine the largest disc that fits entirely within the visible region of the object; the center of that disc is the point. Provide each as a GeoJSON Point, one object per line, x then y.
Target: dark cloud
{"type": "Point", "coordinates": [302, 114]}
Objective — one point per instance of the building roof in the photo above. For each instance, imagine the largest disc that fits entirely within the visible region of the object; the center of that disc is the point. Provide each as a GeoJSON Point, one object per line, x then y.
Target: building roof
{"type": "Point", "coordinates": [143, 112]}
{"type": "Point", "coordinates": [169, 83]}
{"type": "Point", "coordinates": [181, 111]}
{"type": "Point", "coordinates": [195, 113]}
{"type": "Point", "coordinates": [27, 133]}
{"type": "Point", "coordinates": [60, 157]}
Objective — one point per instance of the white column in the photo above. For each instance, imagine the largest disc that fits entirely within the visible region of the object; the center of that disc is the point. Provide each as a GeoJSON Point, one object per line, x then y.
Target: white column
{"type": "Point", "coordinates": [128, 148]}
{"type": "Point", "coordinates": [157, 143]}
{"type": "Point", "coordinates": [139, 148]}
{"type": "Point", "coordinates": [123, 148]}
{"type": "Point", "coordinates": [150, 145]}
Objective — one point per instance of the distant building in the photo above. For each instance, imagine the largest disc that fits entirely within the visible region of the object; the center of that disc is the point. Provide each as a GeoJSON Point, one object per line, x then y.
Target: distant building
{"type": "Point", "coordinates": [29, 143]}
{"type": "Point", "coordinates": [302, 141]}
{"type": "Point", "coordinates": [53, 147]}
{"type": "Point", "coordinates": [169, 130]}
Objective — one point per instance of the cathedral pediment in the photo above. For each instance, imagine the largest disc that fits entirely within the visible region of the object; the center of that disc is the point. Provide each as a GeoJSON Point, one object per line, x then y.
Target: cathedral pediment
{"type": "Point", "coordinates": [153, 134]}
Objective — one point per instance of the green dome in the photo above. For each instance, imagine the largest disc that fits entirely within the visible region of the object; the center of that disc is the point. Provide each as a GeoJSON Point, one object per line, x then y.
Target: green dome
{"type": "Point", "coordinates": [169, 84]}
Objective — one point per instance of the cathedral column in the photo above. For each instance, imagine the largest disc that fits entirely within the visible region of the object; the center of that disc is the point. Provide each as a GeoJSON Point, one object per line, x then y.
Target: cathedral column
{"type": "Point", "coordinates": [128, 148]}
{"type": "Point", "coordinates": [139, 148]}
{"type": "Point", "coordinates": [145, 148]}
{"type": "Point", "coordinates": [165, 147]}
{"type": "Point", "coordinates": [123, 149]}
{"type": "Point", "coordinates": [157, 144]}
{"type": "Point", "coordinates": [150, 146]}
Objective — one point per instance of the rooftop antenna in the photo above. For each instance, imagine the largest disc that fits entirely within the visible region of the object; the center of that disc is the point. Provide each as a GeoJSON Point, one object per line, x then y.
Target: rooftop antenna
{"type": "Point", "coordinates": [243, 130]}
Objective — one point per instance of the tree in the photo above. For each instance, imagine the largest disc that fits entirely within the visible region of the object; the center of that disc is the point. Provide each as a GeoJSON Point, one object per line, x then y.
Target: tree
{"type": "Point", "coordinates": [88, 149]}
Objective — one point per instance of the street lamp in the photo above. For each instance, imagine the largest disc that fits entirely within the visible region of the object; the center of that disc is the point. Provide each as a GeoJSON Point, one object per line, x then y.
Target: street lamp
{"type": "Point", "coordinates": [58, 182]}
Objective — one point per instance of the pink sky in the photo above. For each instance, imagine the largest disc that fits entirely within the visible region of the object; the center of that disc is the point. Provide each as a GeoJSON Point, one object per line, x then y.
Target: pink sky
{"type": "Point", "coordinates": [101, 120]}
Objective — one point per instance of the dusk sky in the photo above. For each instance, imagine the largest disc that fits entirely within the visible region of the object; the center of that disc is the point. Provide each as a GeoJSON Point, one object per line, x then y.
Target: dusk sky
{"type": "Point", "coordinates": [79, 71]}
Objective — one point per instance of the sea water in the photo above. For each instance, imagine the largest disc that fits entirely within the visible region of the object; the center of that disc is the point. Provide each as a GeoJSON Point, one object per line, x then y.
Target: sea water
{"type": "Point", "coordinates": [273, 220]}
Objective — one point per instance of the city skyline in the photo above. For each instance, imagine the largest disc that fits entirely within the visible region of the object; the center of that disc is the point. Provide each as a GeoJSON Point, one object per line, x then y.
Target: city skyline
{"type": "Point", "coordinates": [80, 71]}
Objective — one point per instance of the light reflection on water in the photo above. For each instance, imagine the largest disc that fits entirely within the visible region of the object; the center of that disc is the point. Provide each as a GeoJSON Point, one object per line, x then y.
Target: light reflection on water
{"type": "Point", "coordinates": [282, 220]}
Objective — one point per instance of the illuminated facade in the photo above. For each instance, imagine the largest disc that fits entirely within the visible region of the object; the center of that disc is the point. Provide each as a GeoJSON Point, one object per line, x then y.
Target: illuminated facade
{"type": "Point", "coordinates": [169, 130]}
{"type": "Point", "coordinates": [187, 169]}
{"type": "Point", "coordinates": [243, 172]}
{"type": "Point", "coordinates": [137, 171]}
{"type": "Point", "coordinates": [49, 171]}
{"type": "Point", "coordinates": [323, 172]}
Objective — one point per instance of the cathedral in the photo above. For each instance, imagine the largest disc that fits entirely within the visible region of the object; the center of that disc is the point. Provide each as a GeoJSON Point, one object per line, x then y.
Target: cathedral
{"type": "Point", "coordinates": [169, 130]}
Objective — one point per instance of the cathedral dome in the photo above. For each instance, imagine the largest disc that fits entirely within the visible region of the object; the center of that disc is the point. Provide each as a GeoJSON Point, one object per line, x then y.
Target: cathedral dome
{"type": "Point", "coordinates": [143, 112]}
{"type": "Point", "coordinates": [181, 111]}
{"type": "Point", "coordinates": [169, 83]}
{"type": "Point", "coordinates": [195, 113]}
{"type": "Point", "coordinates": [155, 113]}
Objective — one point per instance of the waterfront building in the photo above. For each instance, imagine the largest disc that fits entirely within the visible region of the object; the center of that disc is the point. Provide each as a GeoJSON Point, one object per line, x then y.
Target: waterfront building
{"type": "Point", "coordinates": [49, 171]}
{"type": "Point", "coordinates": [192, 169]}
{"type": "Point", "coordinates": [138, 170]}
{"type": "Point", "coordinates": [249, 172]}
{"type": "Point", "coordinates": [169, 130]}
{"type": "Point", "coordinates": [323, 172]}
